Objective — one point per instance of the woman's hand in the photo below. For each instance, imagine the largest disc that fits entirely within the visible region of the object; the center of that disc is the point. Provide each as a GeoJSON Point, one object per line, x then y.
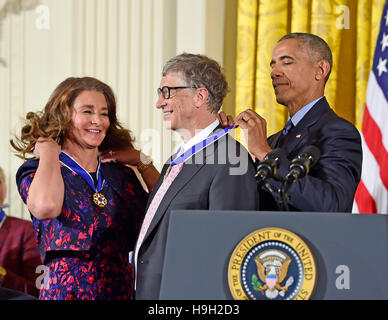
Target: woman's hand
{"type": "Point", "coordinates": [46, 193]}
{"type": "Point", "coordinates": [134, 158]}
{"type": "Point", "coordinates": [46, 147]}
{"type": "Point", "coordinates": [129, 156]}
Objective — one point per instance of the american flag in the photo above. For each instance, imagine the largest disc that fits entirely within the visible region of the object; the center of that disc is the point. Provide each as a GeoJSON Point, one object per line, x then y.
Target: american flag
{"type": "Point", "coordinates": [372, 192]}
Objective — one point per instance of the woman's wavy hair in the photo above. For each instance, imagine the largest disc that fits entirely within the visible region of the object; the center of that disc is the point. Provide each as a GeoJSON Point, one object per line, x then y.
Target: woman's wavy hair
{"type": "Point", "coordinates": [55, 118]}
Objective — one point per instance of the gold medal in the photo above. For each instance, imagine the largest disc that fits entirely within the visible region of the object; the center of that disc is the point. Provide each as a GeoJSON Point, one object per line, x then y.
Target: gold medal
{"type": "Point", "coordinates": [99, 199]}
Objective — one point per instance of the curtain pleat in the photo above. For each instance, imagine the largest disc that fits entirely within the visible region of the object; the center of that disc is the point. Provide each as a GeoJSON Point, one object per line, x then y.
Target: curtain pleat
{"type": "Point", "coordinates": [349, 27]}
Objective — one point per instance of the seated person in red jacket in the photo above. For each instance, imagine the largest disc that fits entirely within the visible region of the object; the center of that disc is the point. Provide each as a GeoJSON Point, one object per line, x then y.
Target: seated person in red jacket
{"type": "Point", "coordinates": [19, 255]}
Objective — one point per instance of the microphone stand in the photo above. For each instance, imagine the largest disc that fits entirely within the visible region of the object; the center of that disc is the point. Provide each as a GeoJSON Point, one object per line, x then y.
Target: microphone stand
{"type": "Point", "coordinates": [264, 184]}
{"type": "Point", "coordinates": [299, 167]}
{"type": "Point", "coordinates": [287, 182]}
{"type": "Point", "coordinates": [283, 192]}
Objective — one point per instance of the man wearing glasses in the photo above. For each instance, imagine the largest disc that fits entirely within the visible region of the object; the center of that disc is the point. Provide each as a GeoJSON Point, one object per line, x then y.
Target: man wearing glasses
{"type": "Point", "coordinates": [210, 171]}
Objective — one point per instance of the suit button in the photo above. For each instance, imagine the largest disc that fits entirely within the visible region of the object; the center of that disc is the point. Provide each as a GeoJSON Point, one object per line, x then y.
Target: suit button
{"type": "Point", "coordinates": [141, 261]}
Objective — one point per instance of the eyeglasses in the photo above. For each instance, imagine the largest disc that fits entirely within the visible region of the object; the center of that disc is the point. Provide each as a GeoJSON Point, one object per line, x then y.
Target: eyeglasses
{"type": "Point", "coordinates": [166, 91]}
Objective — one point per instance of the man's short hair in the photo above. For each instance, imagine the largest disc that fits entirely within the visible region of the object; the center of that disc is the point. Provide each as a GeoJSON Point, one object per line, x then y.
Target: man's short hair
{"type": "Point", "coordinates": [318, 48]}
{"type": "Point", "coordinates": [200, 71]}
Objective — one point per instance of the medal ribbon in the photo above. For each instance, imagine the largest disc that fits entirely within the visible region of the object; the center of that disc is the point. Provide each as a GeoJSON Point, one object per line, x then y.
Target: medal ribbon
{"type": "Point", "coordinates": [199, 146]}
{"type": "Point", "coordinates": [70, 163]}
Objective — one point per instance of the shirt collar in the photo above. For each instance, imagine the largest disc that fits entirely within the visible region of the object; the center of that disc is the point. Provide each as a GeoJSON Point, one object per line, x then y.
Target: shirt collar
{"type": "Point", "coordinates": [302, 112]}
{"type": "Point", "coordinates": [202, 135]}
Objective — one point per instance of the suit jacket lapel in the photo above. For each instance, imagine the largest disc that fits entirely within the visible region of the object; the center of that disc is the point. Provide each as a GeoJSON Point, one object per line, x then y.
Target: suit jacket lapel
{"type": "Point", "coordinates": [273, 140]}
{"type": "Point", "coordinates": [160, 180]}
{"type": "Point", "coordinates": [158, 183]}
{"type": "Point", "coordinates": [301, 132]}
{"type": "Point", "coordinates": [187, 173]}
{"type": "Point", "coordinates": [314, 114]}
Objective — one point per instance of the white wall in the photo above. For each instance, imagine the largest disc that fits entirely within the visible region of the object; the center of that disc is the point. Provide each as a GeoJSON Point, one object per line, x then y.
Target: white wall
{"type": "Point", "coordinates": [122, 42]}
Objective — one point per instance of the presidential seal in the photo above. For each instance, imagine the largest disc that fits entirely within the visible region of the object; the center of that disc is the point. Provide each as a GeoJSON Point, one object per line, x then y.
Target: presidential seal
{"type": "Point", "coordinates": [272, 263]}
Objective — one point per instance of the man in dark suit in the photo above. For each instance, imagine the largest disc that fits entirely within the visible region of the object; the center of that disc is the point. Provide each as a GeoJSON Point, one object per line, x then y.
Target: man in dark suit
{"type": "Point", "coordinates": [217, 177]}
{"type": "Point", "coordinates": [301, 65]}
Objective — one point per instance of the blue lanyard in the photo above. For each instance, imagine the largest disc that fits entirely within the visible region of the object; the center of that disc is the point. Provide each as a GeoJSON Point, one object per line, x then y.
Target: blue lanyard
{"type": "Point", "coordinates": [70, 163]}
{"type": "Point", "coordinates": [98, 198]}
{"type": "Point", "coordinates": [199, 146]}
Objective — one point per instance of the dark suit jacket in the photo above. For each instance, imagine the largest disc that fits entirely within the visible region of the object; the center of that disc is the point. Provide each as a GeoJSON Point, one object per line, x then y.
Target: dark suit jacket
{"type": "Point", "coordinates": [332, 182]}
{"type": "Point", "coordinates": [19, 255]}
{"type": "Point", "coordinates": [212, 181]}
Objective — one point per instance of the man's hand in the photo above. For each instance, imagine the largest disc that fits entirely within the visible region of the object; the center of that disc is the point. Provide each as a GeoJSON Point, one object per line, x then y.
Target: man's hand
{"type": "Point", "coordinates": [255, 132]}
{"type": "Point", "coordinates": [225, 120]}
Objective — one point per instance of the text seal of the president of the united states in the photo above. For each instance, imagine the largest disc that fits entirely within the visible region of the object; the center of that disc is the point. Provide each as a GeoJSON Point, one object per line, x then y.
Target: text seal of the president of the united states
{"type": "Point", "coordinates": [272, 263]}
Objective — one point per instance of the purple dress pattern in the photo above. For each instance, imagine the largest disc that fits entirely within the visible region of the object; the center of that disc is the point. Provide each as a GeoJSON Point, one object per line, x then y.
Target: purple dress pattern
{"type": "Point", "coordinates": [85, 249]}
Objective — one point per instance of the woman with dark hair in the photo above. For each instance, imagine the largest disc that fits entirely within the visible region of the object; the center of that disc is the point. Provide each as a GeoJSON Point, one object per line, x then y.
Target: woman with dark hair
{"type": "Point", "coordinates": [86, 213]}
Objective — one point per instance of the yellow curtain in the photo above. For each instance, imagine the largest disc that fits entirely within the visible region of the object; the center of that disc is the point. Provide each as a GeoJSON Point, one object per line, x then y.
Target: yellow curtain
{"type": "Point", "coordinates": [350, 28]}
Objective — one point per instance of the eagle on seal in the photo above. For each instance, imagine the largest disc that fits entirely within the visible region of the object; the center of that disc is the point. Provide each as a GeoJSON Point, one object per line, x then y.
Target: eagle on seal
{"type": "Point", "coordinates": [272, 268]}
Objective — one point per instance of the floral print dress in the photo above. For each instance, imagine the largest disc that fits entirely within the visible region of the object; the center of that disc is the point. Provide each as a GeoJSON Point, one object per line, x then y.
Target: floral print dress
{"type": "Point", "coordinates": [85, 249]}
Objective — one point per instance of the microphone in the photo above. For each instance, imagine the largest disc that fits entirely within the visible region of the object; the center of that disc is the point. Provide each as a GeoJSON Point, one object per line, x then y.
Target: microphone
{"type": "Point", "coordinates": [267, 167]}
{"type": "Point", "coordinates": [301, 165]}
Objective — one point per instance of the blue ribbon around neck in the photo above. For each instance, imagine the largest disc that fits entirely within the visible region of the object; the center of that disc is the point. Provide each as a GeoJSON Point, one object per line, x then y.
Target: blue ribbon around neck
{"type": "Point", "coordinates": [70, 163]}
{"type": "Point", "coordinates": [199, 146]}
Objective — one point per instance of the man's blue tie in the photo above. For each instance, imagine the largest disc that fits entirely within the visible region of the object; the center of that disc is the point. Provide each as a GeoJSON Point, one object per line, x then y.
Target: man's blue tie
{"type": "Point", "coordinates": [287, 127]}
